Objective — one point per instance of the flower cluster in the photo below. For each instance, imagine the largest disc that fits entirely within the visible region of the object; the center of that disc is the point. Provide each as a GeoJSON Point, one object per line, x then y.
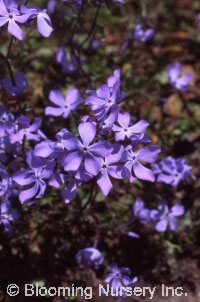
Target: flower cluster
{"type": "Point", "coordinates": [119, 279]}
{"type": "Point", "coordinates": [161, 217]}
{"type": "Point", "coordinates": [172, 171]}
{"type": "Point", "coordinates": [108, 146]}
{"type": "Point", "coordinates": [12, 13]}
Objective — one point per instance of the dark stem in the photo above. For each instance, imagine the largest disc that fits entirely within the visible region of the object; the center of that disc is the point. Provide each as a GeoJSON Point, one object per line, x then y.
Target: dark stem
{"type": "Point", "coordinates": [23, 147]}
{"type": "Point", "coordinates": [10, 72]}
{"type": "Point", "coordinates": [90, 195]}
{"type": "Point", "coordinates": [9, 48]}
{"type": "Point", "coordinates": [92, 27]}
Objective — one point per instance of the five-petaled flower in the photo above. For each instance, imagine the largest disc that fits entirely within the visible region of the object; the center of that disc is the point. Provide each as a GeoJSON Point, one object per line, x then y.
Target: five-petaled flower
{"type": "Point", "coordinates": [165, 216]}
{"type": "Point", "coordinates": [83, 151]}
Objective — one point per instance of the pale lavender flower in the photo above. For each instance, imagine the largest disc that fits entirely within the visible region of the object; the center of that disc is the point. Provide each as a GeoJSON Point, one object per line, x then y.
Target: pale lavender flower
{"type": "Point", "coordinates": [83, 151]}
{"type": "Point", "coordinates": [104, 101]}
{"type": "Point", "coordinates": [141, 34]}
{"type": "Point", "coordinates": [16, 88]}
{"type": "Point", "coordinates": [95, 44]}
{"type": "Point", "coordinates": [119, 278]}
{"type": "Point", "coordinates": [133, 168]}
{"type": "Point", "coordinates": [71, 180]}
{"type": "Point", "coordinates": [174, 72]}
{"type": "Point", "coordinates": [113, 79]}
{"type": "Point", "coordinates": [165, 216]}
{"type": "Point", "coordinates": [109, 167]}
{"type": "Point", "coordinates": [6, 184]}
{"type": "Point", "coordinates": [44, 24]}
{"type": "Point", "coordinates": [9, 13]}
{"type": "Point", "coordinates": [90, 257]}
{"type": "Point", "coordinates": [69, 65]}
{"type": "Point", "coordinates": [7, 215]}
{"type": "Point", "coordinates": [34, 179]}
{"type": "Point", "coordinates": [26, 130]}
{"type": "Point", "coordinates": [125, 129]}
{"type": "Point", "coordinates": [172, 171]}
{"type": "Point", "coordinates": [65, 105]}
{"type": "Point", "coordinates": [142, 213]}
{"type": "Point", "coordinates": [6, 122]}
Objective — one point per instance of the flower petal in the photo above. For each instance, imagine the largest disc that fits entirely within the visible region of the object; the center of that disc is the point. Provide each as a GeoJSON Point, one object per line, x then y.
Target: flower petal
{"type": "Point", "coordinates": [72, 161]}
{"type": "Point", "coordinates": [139, 127]}
{"type": "Point", "coordinates": [142, 172]}
{"type": "Point", "coordinates": [87, 132]}
{"type": "Point", "coordinates": [104, 183]}
{"type": "Point", "coordinates": [123, 119]}
{"type": "Point", "coordinates": [69, 192]}
{"type": "Point", "coordinates": [149, 154]}
{"type": "Point", "coordinates": [53, 111]}
{"type": "Point", "coordinates": [173, 223]}
{"type": "Point", "coordinates": [29, 193]}
{"type": "Point", "coordinates": [177, 210]}
{"type": "Point", "coordinates": [70, 141]}
{"type": "Point", "coordinates": [161, 226]}
{"type": "Point", "coordinates": [92, 164]}
{"type": "Point", "coordinates": [44, 24]}
{"type": "Point", "coordinates": [24, 178]}
{"type": "Point", "coordinates": [56, 97]}
{"type": "Point", "coordinates": [15, 30]}
{"type": "Point", "coordinates": [102, 148]}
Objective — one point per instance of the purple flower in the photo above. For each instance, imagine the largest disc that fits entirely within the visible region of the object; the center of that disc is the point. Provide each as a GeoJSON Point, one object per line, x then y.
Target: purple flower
{"type": "Point", "coordinates": [174, 72]}
{"type": "Point", "coordinates": [30, 132]}
{"type": "Point", "coordinates": [7, 215]}
{"type": "Point", "coordinates": [10, 14]}
{"type": "Point", "coordinates": [118, 278]}
{"type": "Point", "coordinates": [69, 65]}
{"type": "Point", "coordinates": [33, 179]}
{"type": "Point", "coordinates": [19, 85]}
{"type": "Point", "coordinates": [165, 216]}
{"type": "Point", "coordinates": [6, 122]}
{"type": "Point", "coordinates": [95, 44]}
{"type": "Point", "coordinates": [108, 169]}
{"type": "Point", "coordinates": [133, 168]}
{"type": "Point", "coordinates": [125, 129]}
{"type": "Point", "coordinates": [141, 34]}
{"type": "Point", "coordinates": [172, 171]}
{"type": "Point", "coordinates": [51, 5]}
{"type": "Point", "coordinates": [44, 24]}
{"type": "Point", "coordinates": [65, 105]}
{"type": "Point", "coordinates": [71, 180]}
{"type": "Point", "coordinates": [114, 78]}
{"type": "Point", "coordinates": [6, 184]}
{"type": "Point", "coordinates": [142, 213]}
{"type": "Point", "coordinates": [90, 257]}
{"type": "Point", "coordinates": [82, 150]}
{"type": "Point", "coordinates": [43, 20]}
{"type": "Point", "coordinates": [105, 101]}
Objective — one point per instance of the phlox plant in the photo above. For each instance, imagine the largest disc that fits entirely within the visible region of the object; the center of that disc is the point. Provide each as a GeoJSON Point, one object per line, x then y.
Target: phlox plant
{"type": "Point", "coordinates": [106, 146]}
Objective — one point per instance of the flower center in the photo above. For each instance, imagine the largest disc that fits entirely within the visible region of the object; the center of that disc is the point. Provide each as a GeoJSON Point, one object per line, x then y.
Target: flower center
{"type": "Point", "coordinates": [85, 149]}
